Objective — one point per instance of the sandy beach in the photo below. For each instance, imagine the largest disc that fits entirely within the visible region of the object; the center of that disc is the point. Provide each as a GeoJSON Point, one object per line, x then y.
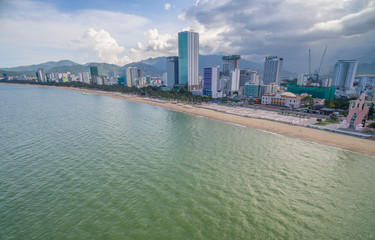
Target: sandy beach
{"type": "Point", "coordinates": [347, 142]}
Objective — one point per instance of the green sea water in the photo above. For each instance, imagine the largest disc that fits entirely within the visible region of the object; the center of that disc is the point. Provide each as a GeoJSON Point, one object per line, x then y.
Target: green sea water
{"type": "Point", "coordinates": [76, 166]}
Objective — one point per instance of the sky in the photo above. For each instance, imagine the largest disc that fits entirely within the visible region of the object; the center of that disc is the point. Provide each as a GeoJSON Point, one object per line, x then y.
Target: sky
{"type": "Point", "coordinates": [122, 31]}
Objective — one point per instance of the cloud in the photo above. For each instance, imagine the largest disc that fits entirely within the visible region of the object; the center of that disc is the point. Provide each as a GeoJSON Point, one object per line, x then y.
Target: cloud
{"type": "Point", "coordinates": [108, 49]}
{"type": "Point", "coordinates": [102, 42]}
{"type": "Point", "coordinates": [286, 28]}
{"type": "Point", "coordinates": [167, 6]}
{"type": "Point", "coordinates": [158, 45]}
{"type": "Point", "coordinates": [352, 24]}
{"type": "Point", "coordinates": [45, 32]}
{"type": "Point", "coordinates": [35, 31]}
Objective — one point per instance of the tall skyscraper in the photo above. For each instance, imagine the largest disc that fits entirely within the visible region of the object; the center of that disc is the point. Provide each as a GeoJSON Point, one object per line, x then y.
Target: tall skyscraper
{"type": "Point", "coordinates": [41, 75]}
{"type": "Point", "coordinates": [84, 77]}
{"type": "Point", "coordinates": [235, 80]}
{"type": "Point", "coordinates": [273, 67]}
{"type": "Point", "coordinates": [188, 54]}
{"type": "Point", "coordinates": [132, 76]}
{"type": "Point", "coordinates": [343, 76]}
{"type": "Point", "coordinates": [172, 71]}
{"type": "Point", "coordinates": [211, 77]}
{"type": "Point", "coordinates": [230, 63]}
{"type": "Point", "coordinates": [94, 74]}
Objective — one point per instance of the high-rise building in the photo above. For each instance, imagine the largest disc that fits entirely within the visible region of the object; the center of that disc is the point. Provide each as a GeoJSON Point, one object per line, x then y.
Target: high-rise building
{"type": "Point", "coordinates": [273, 66]}
{"type": "Point", "coordinates": [230, 63]}
{"type": "Point", "coordinates": [343, 76]}
{"type": "Point", "coordinates": [211, 77]}
{"type": "Point", "coordinates": [172, 71]}
{"type": "Point", "coordinates": [188, 54]}
{"type": "Point", "coordinates": [132, 76]}
{"type": "Point", "coordinates": [327, 82]}
{"type": "Point", "coordinates": [94, 74]}
{"type": "Point", "coordinates": [302, 79]}
{"type": "Point", "coordinates": [248, 76]}
{"type": "Point", "coordinates": [245, 76]}
{"type": "Point", "coordinates": [235, 80]}
{"type": "Point", "coordinates": [41, 75]}
{"type": "Point", "coordinates": [207, 78]}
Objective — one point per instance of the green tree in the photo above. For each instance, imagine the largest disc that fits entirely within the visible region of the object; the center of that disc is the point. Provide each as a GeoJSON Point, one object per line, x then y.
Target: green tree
{"type": "Point", "coordinates": [307, 100]}
{"type": "Point", "coordinates": [333, 117]}
{"type": "Point", "coordinates": [371, 110]}
{"type": "Point", "coordinates": [329, 103]}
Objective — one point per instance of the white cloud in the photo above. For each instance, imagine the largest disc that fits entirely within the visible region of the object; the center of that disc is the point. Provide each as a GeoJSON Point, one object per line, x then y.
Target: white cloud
{"type": "Point", "coordinates": [106, 47]}
{"type": "Point", "coordinates": [158, 45]}
{"type": "Point", "coordinates": [348, 25]}
{"type": "Point", "coordinates": [48, 33]}
{"type": "Point", "coordinates": [167, 6]}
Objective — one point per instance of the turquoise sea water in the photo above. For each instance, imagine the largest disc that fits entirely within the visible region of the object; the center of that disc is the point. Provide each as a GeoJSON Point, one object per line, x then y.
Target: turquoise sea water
{"type": "Point", "coordinates": [76, 166]}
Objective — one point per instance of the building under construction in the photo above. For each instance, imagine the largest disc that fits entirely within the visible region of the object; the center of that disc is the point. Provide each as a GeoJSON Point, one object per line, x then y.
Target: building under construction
{"type": "Point", "coordinates": [230, 63]}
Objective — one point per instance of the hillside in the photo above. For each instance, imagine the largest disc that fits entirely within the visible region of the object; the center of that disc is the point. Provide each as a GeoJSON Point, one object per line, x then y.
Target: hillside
{"type": "Point", "coordinates": [152, 66]}
{"type": "Point", "coordinates": [46, 66]}
{"type": "Point", "coordinates": [146, 69]}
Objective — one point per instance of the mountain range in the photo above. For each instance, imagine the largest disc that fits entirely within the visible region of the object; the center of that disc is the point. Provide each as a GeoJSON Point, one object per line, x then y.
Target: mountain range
{"type": "Point", "coordinates": [153, 66]}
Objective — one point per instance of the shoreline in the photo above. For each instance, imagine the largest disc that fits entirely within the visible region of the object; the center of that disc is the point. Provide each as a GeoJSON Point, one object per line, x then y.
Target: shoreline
{"type": "Point", "coordinates": [354, 144]}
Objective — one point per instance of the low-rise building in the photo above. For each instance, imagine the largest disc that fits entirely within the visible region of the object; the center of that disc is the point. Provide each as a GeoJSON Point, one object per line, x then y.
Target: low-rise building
{"type": "Point", "coordinates": [286, 99]}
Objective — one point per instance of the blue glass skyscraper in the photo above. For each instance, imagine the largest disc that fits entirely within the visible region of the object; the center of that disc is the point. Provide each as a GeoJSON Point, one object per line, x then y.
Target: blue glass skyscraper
{"type": "Point", "coordinates": [188, 54]}
{"type": "Point", "coordinates": [273, 67]}
{"type": "Point", "coordinates": [172, 71]}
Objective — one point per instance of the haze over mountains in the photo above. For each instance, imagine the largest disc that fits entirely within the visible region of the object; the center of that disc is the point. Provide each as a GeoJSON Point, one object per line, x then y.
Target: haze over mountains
{"type": "Point", "coordinates": [153, 66]}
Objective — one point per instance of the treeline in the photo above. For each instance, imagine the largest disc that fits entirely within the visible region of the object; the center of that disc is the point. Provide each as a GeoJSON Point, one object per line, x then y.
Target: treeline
{"type": "Point", "coordinates": [182, 95]}
{"type": "Point", "coordinates": [338, 103]}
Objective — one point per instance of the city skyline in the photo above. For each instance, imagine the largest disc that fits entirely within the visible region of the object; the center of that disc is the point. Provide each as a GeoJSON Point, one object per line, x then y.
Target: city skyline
{"type": "Point", "coordinates": [84, 31]}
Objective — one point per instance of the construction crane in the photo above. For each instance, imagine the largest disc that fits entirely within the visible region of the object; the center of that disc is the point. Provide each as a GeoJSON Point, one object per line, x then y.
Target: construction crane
{"type": "Point", "coordinates": [317, 72]}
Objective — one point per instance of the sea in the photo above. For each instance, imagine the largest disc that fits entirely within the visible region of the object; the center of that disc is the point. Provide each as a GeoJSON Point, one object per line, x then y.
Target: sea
{"type": "Point", "coordinates": [75, 166]}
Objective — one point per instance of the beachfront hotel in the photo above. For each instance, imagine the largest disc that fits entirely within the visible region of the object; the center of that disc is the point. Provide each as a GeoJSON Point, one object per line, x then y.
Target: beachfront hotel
{"type": "Point", "coordinates": [230, 63]}
{"type": "Point", "coordinates": [211, 76]}
{"type": "Point", "coordinates": [41, 75]}
{"type": "Point", "coordinates": [273, 67]}
{"type": "Point", "coordinates": [343, 76]}
{"type": "Point", "coordinates": [188, 57]}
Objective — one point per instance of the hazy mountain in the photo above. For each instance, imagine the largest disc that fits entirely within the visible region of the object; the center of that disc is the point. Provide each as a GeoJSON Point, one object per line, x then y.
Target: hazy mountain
{"type": "Point", "coordinates": [46, 66]}
{"type": "Point", "coordinates": [152, 66]}
{"type": "Point", "coordinates": [11, 73]}
{"type": "Point", "coordinates": [159, 63]}
{"type": "Point", "coordinates": [104, 68]}
{"type": "Point", "coordinates": [148, 69]}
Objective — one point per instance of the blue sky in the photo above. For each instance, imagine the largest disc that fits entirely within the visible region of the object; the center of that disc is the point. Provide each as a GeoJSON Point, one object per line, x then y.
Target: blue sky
{"type": "Point", "coordinates": [119, 32]}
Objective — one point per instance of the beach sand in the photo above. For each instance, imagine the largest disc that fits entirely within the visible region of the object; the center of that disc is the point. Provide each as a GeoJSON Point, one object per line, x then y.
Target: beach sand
{"type": "Point", "coordinates": [347, 142]}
